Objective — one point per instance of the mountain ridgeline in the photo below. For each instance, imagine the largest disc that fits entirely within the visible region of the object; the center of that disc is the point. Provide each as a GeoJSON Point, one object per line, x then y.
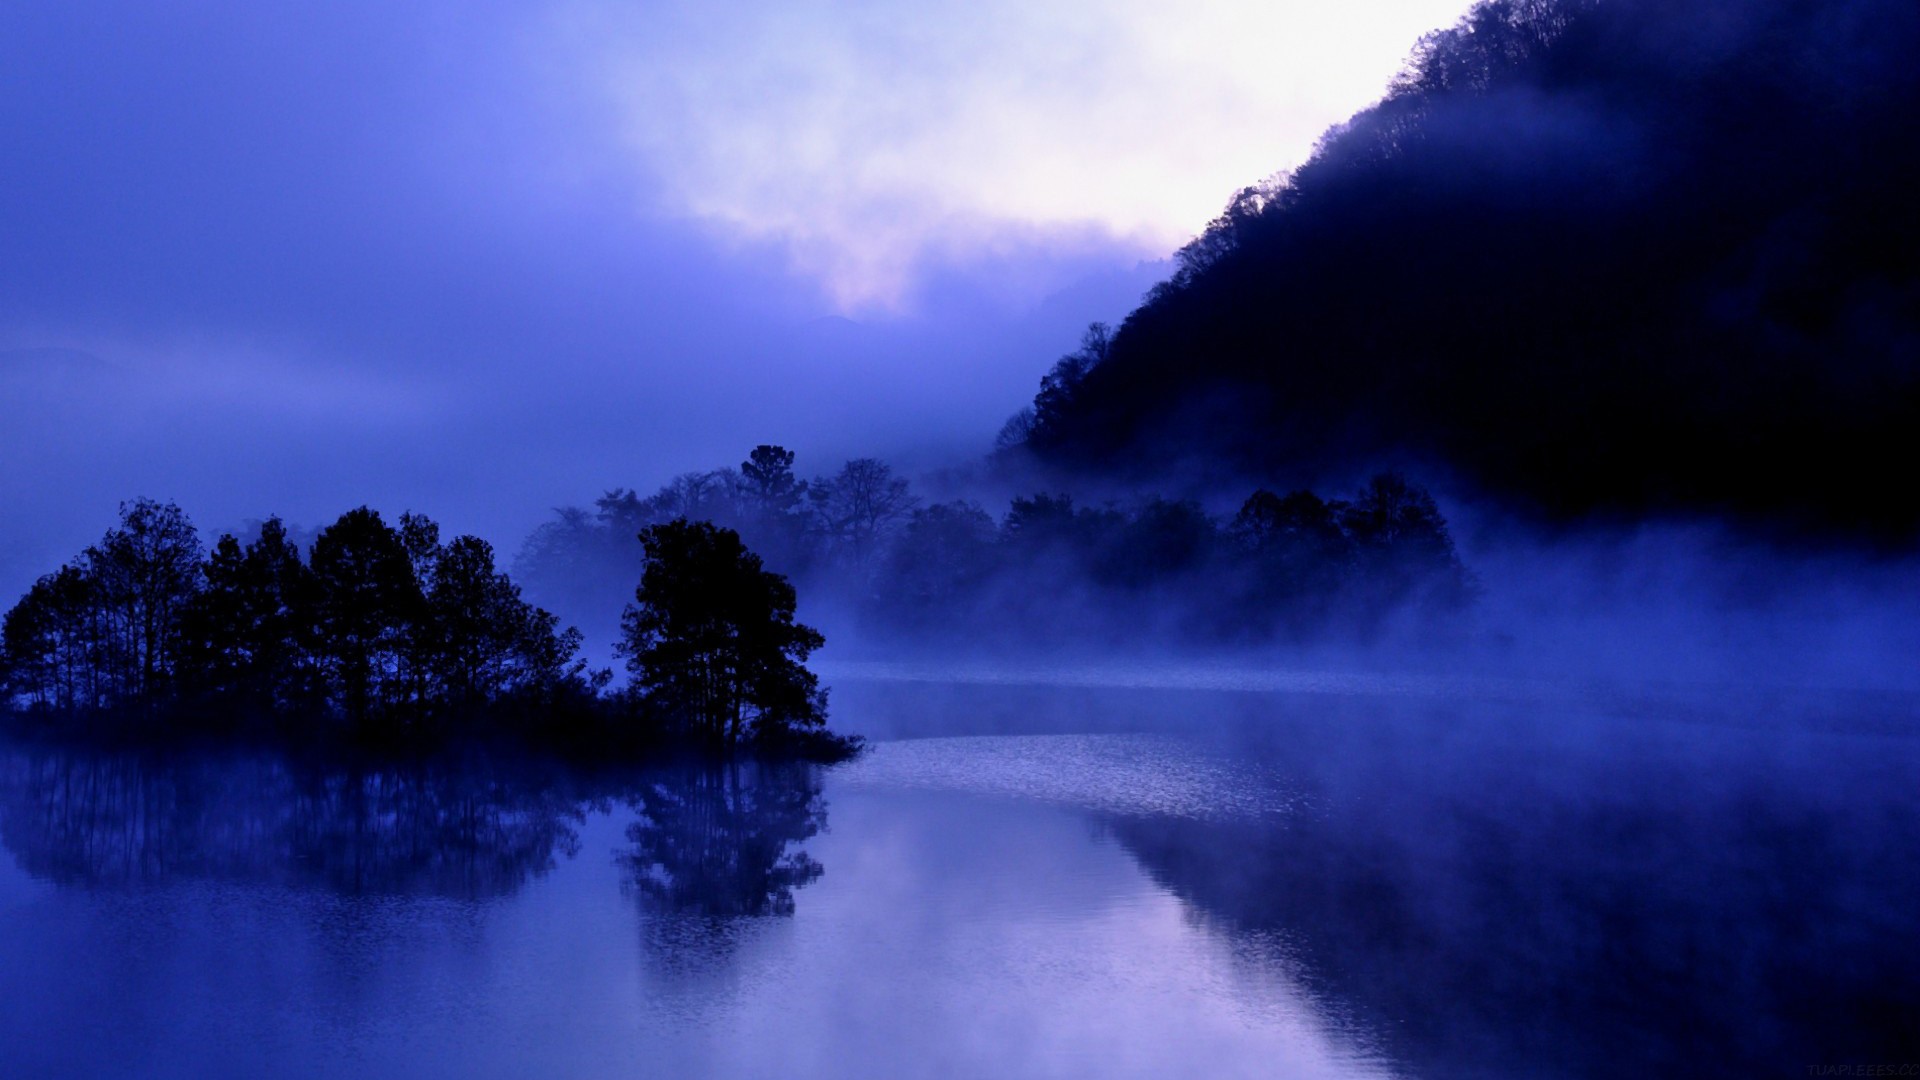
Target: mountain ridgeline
{"type": "Point", "coordinates": [1592, 256]}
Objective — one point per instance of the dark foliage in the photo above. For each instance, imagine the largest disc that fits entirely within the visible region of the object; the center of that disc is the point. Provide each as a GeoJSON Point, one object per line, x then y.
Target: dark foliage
{"type": "Point", "coordinates": [385, 637]}
{"type": "Point", "coordinates": [1598, 255]}
{"type": "Point", "coordinates": [1154, 570]}
{"type": "Point", "coordinates": [248, 637]}
{"type": "Point", "coordinates": [712, 643]}
{"type": "Point", "coordinates": [368, 604]}
{"type": "Point", "coordinates": [103, 632]}
{"type": "Point", "coordinates": [383, 633]}
{"type": "Point", "coordinates": [1294, 568]}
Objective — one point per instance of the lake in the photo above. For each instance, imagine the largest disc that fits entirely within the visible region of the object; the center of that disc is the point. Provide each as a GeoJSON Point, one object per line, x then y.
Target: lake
{"type": "Point", "coordinates": [1034, 872]}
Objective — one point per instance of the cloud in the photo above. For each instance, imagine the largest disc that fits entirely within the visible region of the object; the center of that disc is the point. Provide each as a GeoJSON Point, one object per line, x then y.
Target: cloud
{"type": "Point", "coordinates": [869, 139]}
{"type": "Point", "coordinates": [479, 260]}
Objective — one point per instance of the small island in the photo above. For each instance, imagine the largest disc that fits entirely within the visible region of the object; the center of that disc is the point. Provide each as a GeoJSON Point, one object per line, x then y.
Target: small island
{"type": "Point", "coordinates": [377, 635]}
{"type": "Point", "coordinates": [385, 638]}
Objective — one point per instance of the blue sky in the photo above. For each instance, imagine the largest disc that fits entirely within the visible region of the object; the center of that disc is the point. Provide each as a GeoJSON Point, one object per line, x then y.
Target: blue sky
{"type": "Point", "coordinates": [483, 259]}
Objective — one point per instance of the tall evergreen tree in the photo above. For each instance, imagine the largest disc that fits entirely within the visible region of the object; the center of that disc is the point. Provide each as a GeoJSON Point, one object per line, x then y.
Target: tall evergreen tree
{"type": "Point", "coordinates": [485, 642]}
{"type": "Point", "coordinates": [55, 643]}
{"type": "Point", "coordinates": [249, 635]}
{"type": "Point", "coordinates": [712, 643]}
{"type": "Point", "coordinates": [368, 604]}
{"type": "Point", "coordinates": [145, 572]}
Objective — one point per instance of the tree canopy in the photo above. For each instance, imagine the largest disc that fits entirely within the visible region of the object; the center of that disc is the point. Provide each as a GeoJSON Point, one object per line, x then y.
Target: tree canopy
{"type": "Point", "coordinates": [384, 628]}
{"type": "Point", "coordinates": [711, 640]}
{"type": "Point", "coordinates": [1046, 570]}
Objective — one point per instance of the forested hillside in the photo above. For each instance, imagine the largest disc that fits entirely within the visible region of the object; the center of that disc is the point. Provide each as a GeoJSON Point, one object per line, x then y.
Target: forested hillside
{"type": "Point", "coordinates": [1590, 255]}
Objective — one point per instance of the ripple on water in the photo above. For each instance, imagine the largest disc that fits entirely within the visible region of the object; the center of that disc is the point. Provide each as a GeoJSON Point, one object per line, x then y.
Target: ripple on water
{"type": "Point", "coordinates": [1121, 774]}
{"type": "Point", "coordinates": [1176, 676]}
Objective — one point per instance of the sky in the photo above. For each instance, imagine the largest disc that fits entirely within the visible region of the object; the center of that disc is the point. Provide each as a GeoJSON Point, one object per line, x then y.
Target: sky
{"type": "Point", "coordinates": [483, 259]}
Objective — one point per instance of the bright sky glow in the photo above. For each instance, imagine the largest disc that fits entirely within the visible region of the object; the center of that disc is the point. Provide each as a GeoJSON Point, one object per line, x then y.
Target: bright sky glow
{"type": "Point", "coordinates": [867, 138]}
{"type": "Point", "coordinates": [482, 259]}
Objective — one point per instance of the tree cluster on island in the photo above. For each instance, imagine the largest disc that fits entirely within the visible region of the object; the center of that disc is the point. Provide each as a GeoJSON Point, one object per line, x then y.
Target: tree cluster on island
{"type": "Point", "coordinates": [381, 633]}
{"type": "Point", "coordinates": [1048, 571]}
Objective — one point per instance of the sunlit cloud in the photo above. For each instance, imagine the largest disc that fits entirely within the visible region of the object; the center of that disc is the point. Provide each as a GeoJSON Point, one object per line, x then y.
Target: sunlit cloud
{"type": "Point", "coordinates": [869, 139]}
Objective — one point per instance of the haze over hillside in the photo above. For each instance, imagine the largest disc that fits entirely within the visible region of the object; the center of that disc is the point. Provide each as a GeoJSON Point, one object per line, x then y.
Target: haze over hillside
{"type": "Point", "coordinates": [1618, 256]}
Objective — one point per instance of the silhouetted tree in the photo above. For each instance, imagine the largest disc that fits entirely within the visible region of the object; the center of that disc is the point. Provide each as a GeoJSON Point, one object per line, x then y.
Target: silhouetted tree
{"type": "Point", "coordinates": [768, 481]}
{"type": "Point", "coordinates": [368, 606]}
{"type": "Point", "coordinates": [712, 643]}
{"type": "Point", "coordinates": [941, 562]}
{"type": "Point", "coordinates": [625, 512]}
{"type": "Point", "coordinates": [1016, 431]}
{"type": "Point", "coordinates": [773, 508]}
{"type": "Point", "coordinates": [420, 535]}
{"type": "Point", "coordinates": [1058, 386]}
{"type": "Point", "coordinates": [1160, 539]}
{"type": "Point", "coordinates": [1403, 544]}
{"type": "Point", "coordinates": [696, 496]}
{"type": "Point", "coordinates": [581, 562]}
{"type": "Point", "coordinates": [859, 506]}
{"type": "Point", "coordinates": [56, 642]}
{"type": "Point", "coordinates": [383, 628]}
{"type": "Point", "coordinates": [1040, 521]}
{"type": "Point", "coordinates": [144, 571]}
{"type": "Point", "coordinates": [104, 632]}
{"type": "Point", "coordinates": [1297, 549]}
{"type": "Point", "coordinates": [486, 643]}
{"type": "Point", "coordinates": [248, 636]}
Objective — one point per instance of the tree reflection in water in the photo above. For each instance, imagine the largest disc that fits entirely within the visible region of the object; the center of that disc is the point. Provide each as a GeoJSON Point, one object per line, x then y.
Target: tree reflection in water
{"type": "Point", "coordinates": [722, 840]}
{"type": "Point", "coordinates": [1571, 894]}
{"type": "Point", "coordinates": [122, 820]}
{"type": "Point", "coordinates": [716, 840]}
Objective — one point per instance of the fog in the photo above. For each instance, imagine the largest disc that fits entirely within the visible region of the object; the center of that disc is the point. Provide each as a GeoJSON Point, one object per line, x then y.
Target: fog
{"type": "Point", "coordinates": [474, 265]}
{"type": "Point", "coordinates": [1647, 259]}
{"type": "Point", "coordinates": [480, 262]}
{"type": "Point", "coordinates": [1699, 602]}
{"type": "Point", "coordinates": [1354, 877]}
{"type": "Point", "coordinates": [291, 262]}
{"type": "Point", "coordinates": [1220, 718]}
{"type": "Point", "coordinates": [995, 574]}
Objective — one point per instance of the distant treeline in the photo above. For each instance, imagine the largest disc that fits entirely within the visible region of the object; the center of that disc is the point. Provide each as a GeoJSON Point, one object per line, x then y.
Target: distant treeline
{"type": "Point", "coordinates": [1288, 568]}
{"type": "Point", "coordinates": [382, 632]}
{"type": "Point", "coordinates": [1594, 255]}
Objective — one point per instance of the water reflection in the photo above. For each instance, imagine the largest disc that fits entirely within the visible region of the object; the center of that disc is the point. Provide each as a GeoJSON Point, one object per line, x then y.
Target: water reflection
{"type": "Point", "coordinates": [720, 840]}
{"type": "Point", "coordinates": [712, 841]}
{"type": "Point", "coordinates": [122, 821]}
{"type": "Point", "coordinates": [1594, 901]}
{"type": "Point", "coordinates": [1330, 887]}
{"type": "Point", "coordinates": [1510, 889]}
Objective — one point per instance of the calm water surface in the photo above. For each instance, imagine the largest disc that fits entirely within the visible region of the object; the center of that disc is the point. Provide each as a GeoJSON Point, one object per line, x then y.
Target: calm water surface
{"type": "Point", "coordinates": [1028, 876]}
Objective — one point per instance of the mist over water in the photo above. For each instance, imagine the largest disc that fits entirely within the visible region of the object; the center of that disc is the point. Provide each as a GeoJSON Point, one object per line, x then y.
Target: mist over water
{"type": "Point", "coordinates": [1029, 877]}
{"type": "Point", "coordinates": [1457, 616]}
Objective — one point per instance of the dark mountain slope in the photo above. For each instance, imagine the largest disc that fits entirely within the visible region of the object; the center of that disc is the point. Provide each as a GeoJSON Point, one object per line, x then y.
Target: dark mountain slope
{"type": "Point", "coordinates": [1596, 255]}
